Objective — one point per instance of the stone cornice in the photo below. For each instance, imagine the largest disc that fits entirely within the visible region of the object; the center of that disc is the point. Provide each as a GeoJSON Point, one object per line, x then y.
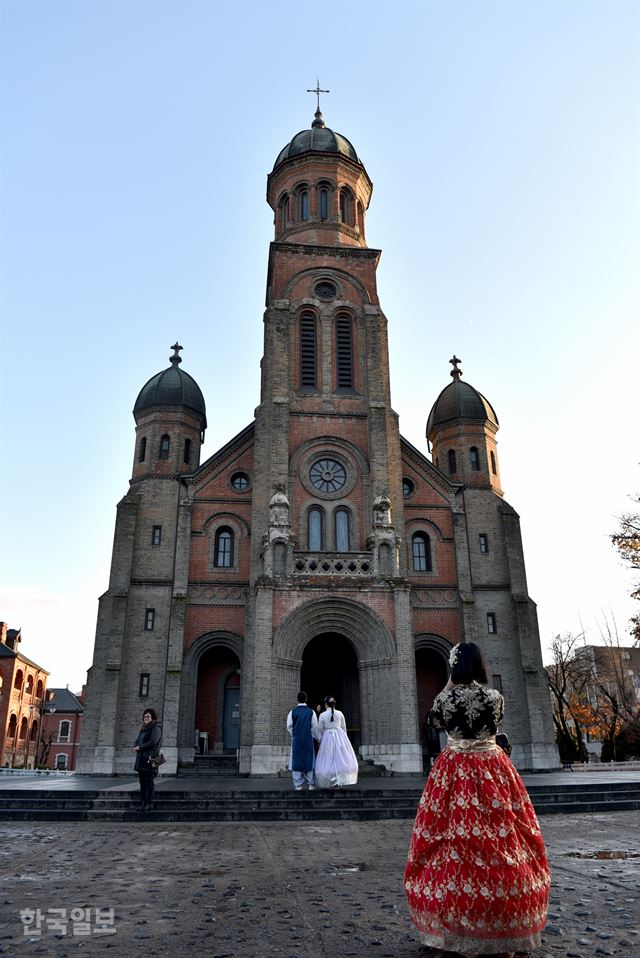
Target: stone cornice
{"type": "Point", "coordinates": [340, 252]}
{"type": "Point", "coordinates": [423, 464]}
{"type": "Point", "coordinates": [244, 438]}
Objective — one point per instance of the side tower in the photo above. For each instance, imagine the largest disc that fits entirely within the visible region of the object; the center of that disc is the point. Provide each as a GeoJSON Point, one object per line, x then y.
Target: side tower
{"type": "Point", "coordinates": [139, 635]}
{"type": "Point", "coordinates": [498, 613]}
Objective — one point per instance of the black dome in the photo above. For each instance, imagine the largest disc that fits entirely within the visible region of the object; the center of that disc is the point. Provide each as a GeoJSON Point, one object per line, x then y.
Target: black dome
{"type": "Point", "coordinates": [319, 139]}
{"type": "Point", "coordinates": [459, 400]}
{"type": "Point", "coordinates": [172, 387]}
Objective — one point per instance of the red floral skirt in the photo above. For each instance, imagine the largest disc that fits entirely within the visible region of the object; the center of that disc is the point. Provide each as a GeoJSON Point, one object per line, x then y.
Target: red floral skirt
{"type": "Point", "coordinates": [477, 876]}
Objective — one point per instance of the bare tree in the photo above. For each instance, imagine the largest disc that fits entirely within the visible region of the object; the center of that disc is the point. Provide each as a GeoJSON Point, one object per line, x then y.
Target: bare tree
{"type": "Point", "coordinates": [568, 676]}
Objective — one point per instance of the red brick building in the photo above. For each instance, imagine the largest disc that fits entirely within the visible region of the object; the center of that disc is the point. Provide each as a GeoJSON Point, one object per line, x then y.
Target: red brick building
{"type": "Point", "coordinates": [317, 549]}
{"type": "Point", "coordinates": [61, 729]}
{"type": "Point", "coordinates": [23, 687]}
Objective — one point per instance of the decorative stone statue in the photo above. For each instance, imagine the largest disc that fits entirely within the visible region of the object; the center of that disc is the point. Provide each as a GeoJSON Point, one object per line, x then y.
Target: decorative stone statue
{"type": "Point", "coordinates": [382, 511]}
{"type": "Point", "coordinates": [278, 543]}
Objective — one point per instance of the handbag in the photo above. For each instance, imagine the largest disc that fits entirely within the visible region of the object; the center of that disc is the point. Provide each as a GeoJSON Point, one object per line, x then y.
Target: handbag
{"type": "Point", "coordinates": [157, 760]}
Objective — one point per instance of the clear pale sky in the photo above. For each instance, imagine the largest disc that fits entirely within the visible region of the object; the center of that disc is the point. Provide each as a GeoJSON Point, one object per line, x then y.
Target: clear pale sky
{"type": "Point", "coordinates": [503, 143]}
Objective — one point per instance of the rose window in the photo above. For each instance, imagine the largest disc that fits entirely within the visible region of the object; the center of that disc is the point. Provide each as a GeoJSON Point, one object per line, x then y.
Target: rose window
{"type": "Point", "coordinates": [327, 475]}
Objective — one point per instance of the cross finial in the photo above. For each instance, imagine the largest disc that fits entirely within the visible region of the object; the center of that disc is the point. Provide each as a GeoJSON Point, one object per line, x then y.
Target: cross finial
{"type": "Point", "coordinates": [176, 359]}
{"type": "Point", "coordinates": [318, 122]}
{"type": "Point", "coordinates": [455, 372]}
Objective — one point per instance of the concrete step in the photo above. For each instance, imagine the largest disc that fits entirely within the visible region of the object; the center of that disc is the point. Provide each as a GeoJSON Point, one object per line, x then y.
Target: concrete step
{"type": "Point", "coordinates": [277, 805]}
{"type": "Point", "coordinates": [289, 813]}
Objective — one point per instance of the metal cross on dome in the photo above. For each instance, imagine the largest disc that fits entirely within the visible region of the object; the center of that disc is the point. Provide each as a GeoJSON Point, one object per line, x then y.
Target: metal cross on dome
{"type": "Point", "coordinates": [455, 372]}
{"type": "Point", "coordinates": [318, 91]}
{"type": "Point", "coordinates": [176, 358]}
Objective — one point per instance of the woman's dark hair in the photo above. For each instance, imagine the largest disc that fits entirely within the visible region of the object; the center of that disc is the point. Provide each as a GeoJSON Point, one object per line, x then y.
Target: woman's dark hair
{"type": "Point", "coordinates": [330, 702]}
{"type": "Point", "coordinates": [152, 713]}
{"type": "Point", "coordinates": [469, 665]}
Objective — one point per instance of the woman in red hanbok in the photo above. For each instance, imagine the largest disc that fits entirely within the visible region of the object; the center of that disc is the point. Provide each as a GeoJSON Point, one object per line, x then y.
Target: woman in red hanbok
{"type": "Point", "coordinates": [477, 877]}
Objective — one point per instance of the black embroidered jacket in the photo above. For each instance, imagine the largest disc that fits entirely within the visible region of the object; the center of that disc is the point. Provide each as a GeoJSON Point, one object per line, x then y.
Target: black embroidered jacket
{"type": "Point", "coordinates": [467, 711]}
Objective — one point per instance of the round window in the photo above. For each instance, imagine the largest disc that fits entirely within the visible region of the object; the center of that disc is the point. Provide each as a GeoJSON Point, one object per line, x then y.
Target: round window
{"type": "Point", "coordinates": [240, 481]}
{"type": "Point", "coordinates": [325, 290]}
{"type": "Point", "coordinates": [327, 475]}
{"type": "Point", "coordinates": [407, 488]}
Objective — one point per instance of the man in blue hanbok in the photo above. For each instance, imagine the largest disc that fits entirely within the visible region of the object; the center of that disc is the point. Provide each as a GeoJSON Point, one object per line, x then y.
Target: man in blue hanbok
{"type": "Point", "coordinates": [302, 726]}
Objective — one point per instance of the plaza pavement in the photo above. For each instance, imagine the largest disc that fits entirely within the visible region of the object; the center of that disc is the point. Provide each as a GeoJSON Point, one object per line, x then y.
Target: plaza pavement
{"type": "Point", "coordinates": [280, 889]}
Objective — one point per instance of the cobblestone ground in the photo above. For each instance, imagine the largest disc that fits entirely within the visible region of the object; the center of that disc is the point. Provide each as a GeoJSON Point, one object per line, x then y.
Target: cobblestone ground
{"type": "Point", "coordinates": [292, 890]}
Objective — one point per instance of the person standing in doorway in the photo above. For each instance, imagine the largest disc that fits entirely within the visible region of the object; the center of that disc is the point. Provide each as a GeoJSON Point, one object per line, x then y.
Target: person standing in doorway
{"type": "Point", "coordinates": [302, 726]}
{"type": "Point", "coordinates": [337, 764]}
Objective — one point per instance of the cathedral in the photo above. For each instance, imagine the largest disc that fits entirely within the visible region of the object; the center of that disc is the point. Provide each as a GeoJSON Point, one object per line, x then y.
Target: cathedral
{"type": "Point", "coordinates": [317, 549]}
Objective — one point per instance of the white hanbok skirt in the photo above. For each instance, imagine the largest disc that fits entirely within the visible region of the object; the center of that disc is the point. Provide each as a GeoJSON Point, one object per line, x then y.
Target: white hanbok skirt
{"type": "Point", "coordinates": [336, 762]}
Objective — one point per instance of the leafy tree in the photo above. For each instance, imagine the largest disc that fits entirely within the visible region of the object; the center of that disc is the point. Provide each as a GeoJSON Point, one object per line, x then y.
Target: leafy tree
{"type": "Point", "coordinates": [627, 542]}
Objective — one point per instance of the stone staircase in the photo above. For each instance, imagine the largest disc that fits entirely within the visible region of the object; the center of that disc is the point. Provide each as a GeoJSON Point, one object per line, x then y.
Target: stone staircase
{"type": "Point", "coordinates": [210, 766]}
{"type": "Point", "coordinates": [238, 804]}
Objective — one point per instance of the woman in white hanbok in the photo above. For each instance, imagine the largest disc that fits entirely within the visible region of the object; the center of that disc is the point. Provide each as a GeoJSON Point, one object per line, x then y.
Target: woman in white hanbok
{"type": "Point", "coordinates": [336, 762]}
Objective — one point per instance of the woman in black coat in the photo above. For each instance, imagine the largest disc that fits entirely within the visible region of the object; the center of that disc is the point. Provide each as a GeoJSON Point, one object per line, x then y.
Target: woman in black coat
{"type": "Point", "coordinates": [147, 746]}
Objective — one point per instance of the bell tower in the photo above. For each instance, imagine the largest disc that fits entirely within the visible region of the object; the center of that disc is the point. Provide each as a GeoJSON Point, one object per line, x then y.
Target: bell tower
{"type": "Point", "coordinates": [327, 508]}
{"type": "Point", "coordinates": [325, 368]}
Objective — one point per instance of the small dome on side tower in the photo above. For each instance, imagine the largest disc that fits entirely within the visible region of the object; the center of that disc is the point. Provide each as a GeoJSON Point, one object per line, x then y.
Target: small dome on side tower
{"type": "Point", "coordinates": [172, 387]}
{"type": "Point", "coordinates": [171, 418]}
{"type": "Point", "coordinates": [462, 427]}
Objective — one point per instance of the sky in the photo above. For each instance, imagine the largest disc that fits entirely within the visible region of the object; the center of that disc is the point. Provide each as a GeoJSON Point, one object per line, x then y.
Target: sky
{"type": "Point", "coordinates": [503, 143]}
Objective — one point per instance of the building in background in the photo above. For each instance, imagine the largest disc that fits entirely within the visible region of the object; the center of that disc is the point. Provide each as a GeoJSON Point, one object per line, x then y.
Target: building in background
{"type": "Point", "coordinates": [61, 729]}
{"type": "Point", "coordinates": [612, 692]}
{"type": "Point", "coordinates": [318, 549]}
{"type": "Point", "coordinates": [23, 689]}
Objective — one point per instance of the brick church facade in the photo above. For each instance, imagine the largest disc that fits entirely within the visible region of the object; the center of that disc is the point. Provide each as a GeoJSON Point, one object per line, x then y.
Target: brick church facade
{"type": "Point", "coordinates": [318, 549]}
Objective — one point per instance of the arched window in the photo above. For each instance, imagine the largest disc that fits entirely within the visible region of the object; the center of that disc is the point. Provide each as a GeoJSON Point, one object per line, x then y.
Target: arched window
{"type": "Point", "coordinates": [494, 469]}
{"type": "Point", "coordinates": [360, 223]}
{"type": "Point", "coordinates": [315, 529]}
{"type": "Point", "coordinates": [324, 204]}
{"type": "Point", "coordinates": [223, 558]}
{"type": "Point", "coordinates": [164, 447]}
{"type": "Point", "coordinates": [33, 735]}
{"type": "Point", "coordinates": [142, 451]}
{"type": "Point", "coordinates": [344, 353]}
{"type": "Point", "coordinates": [17, 682]}
{"type": "Point", "coordinates": [187, 451]}
{"type": "Point", "coordinates": [24, 727]}
{"type": "Point", "coordinates": [342, 531]}
{"type": "Point", "coordinates": [451, 458]}
{"type": "Point", "coordinates": [308, 350]}
{"type": "Point", "coordinates": [303, 205]}
{"type": "Point", "coordinates": [284, 212]}
{"type": "Point", "coordinates": [13, 724]}
{"type": "Point", "coordinates": [28, 689]}
{"type": "Point", "coordinates": [39, 689]}
{"type": "Point", "coordinates": [421, 552]}
{"type": "Point", "coordinates": [474, 456]}
{"type": "Point", "coordinates": [346, 207]}
{"type": "Point", "coordinates": [64, 730]}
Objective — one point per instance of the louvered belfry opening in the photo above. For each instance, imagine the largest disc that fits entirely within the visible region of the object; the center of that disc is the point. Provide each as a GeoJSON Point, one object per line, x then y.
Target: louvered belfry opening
{"type": "Point", "coordinates": [344, 352]}
{"type": "Point", "coordinates": [308, 350]}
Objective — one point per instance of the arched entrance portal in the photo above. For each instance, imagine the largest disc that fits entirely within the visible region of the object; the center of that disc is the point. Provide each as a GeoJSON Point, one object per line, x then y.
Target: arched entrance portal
{"type": "Point", "coordinates": [218, 701]}
{"type": "Point", "coordinates": [431, 677]}
{"type": "Point", "coordinates": [330, 667]}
